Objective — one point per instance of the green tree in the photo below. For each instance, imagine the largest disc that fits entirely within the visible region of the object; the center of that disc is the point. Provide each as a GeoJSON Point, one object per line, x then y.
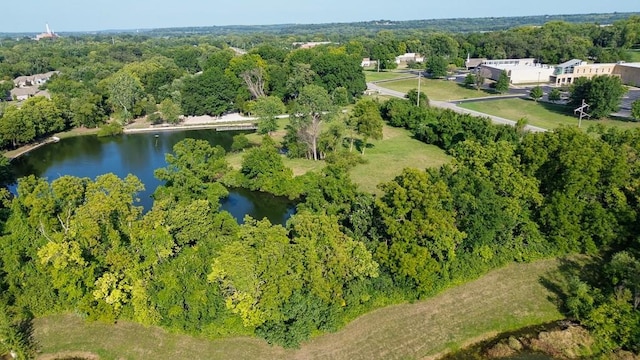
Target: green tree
{"type": "Point", "coordinates": [170, 111]}
{"type": "Point", "coordinates": [502, 84]}
{"type": "Point", "coordinates": [267, 109]}
{"type": "Point", "coordinates": [124, 91]}
{"type": "Point", "coordinates": [437, 66]}
{"type": "Point", "coordinates": [603, 94]}
{"type": "Point", "coordinates": [366, 120]}
{"type": "Point", "coordinates": [420, 234]}
{"type": "Point", "coordinates": [340, 96]}
{"type": "Point", "coordinates": [635, 110]}
{"type": "Point", "coordinates": [263, 170]}
{"type": "Point", "coordinates": [240, 142]}
{"type": "Point", "coordinates": [193, 172]}
{"type": "Point", "coordinates": [311, 109]}
{"type": "Point", "coordinates": [211, 92]}
{"type": "Point", "coordinates": [300, 76]}
{"type": "Point", "coordinates": [536, 93]}
{"type": "Point", "coordinates": [555, 95]}
{"type": "Point", "coordinates": [5, 88]}
{"type": "Point", "coordinates": [469, 80]}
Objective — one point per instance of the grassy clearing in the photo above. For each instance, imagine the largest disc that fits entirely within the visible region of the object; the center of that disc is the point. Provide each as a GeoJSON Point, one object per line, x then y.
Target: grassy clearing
{"type": "Point", "coordinates": [437, 89]}
{"type": "Point", "coordinates": [383, 75]}
{"type": "Point", "coordinates": [635, 55]}
{"type": "Point", "coordinates": [503, 300]}
{"type": "Point", "coordinates": [387, 157]}
{"type": "Point", "coordinates": [544, 115]}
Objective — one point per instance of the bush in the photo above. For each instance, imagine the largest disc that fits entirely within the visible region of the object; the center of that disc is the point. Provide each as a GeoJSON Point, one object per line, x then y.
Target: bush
{"type": "Point", "coordinates": [110, 129]}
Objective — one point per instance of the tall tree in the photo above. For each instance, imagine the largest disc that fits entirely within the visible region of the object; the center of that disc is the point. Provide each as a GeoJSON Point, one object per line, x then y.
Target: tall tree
{"type": "Point", "coordinates": [124, 91]}
{"type": "Point", "coordinates": [267, 108]}
{"type": "Point", "coordinates": [437, 66]}
{"type": "Point", "coordinates": [365, 119]}
{"type": "Point", "coordinates": [502, 84]}
{"type": "Point", "coordinates": [311, 109]}
{"type": "Point", "coordinates": [603, 94]}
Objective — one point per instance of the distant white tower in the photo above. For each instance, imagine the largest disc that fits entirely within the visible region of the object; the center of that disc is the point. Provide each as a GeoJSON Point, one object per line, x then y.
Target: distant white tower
{"type": "Point", "coordinates": [48, 30]}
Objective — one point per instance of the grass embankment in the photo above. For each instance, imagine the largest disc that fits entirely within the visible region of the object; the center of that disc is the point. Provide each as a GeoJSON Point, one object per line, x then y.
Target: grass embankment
{"type": "Point", "coordinates": [437, 89]}
{"type": "Point", "coordinates": [503, 300]}
{"type": "Point", "coordinates": [373, 75]}
{"type": "Point", "coordinates": [541, 114]}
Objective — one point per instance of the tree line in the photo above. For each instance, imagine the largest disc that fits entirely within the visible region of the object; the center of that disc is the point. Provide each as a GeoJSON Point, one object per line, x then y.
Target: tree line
{"type": "Point", "coordinates": [82, 245]}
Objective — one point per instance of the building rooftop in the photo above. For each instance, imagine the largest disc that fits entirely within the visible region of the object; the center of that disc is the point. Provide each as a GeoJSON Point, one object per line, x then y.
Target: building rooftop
{"type": "Point", "coordinates": [634, 64]}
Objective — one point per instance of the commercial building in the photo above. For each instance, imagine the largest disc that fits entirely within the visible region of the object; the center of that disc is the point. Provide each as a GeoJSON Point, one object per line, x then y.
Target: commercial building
{"type": "Point", "coordinates": [629, 73]}
{"type": "Point", "coordinates": [567, 72]}
{"type": "Point", "coordinates": [519, 71]}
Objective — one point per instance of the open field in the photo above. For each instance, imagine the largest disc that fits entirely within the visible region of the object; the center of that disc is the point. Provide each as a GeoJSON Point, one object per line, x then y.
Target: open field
{"type": "Point", "coordinates": [635, 55]}
{"type": "Point", "coordinates": [503, 300]}
{"type": "Point", "coordinates": [383, 75]}
{"type": "Point", "coordinates": [437, 89]}
{"type": "Point", "coordinates": [544, 115]}
{"type": "Point", "coordinates": [387, 157]}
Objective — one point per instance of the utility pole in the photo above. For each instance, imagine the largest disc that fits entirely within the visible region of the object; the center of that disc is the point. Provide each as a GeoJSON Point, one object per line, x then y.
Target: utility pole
{"type": "Point", "coordinates": [582, 112]}
{"type": "Point", "coordinates": [418, 100]}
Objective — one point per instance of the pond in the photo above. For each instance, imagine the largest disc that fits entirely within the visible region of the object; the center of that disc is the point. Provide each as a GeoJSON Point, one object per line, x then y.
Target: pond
{"type": "Point", "coordinates": [140, 154]}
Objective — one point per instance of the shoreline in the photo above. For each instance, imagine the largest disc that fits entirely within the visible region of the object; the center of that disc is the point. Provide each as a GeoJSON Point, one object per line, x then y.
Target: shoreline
{"type": "Point", "coordinates": [204, 122]}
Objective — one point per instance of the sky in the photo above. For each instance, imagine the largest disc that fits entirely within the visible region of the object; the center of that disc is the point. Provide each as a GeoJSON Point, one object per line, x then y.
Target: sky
{"type": "Point", "coordinates": [92, 15]}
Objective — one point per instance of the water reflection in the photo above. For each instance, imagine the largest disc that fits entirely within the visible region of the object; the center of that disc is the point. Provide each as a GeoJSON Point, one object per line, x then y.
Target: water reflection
{"type": "Point", "coordinates": [140, 155]}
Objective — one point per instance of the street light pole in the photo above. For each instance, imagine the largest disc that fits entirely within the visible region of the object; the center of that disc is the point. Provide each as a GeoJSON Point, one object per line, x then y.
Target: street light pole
{"type": "Point", "coordinates": [418, 101]}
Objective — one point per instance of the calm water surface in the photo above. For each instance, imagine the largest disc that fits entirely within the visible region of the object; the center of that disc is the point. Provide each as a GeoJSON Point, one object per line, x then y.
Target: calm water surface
{"type": "Point", "coordinates": [140, 155]}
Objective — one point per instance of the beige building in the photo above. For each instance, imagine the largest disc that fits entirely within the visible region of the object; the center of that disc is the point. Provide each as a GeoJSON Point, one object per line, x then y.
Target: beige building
{"type": "Point", "coordinates": [567, 72]}
{"type": "Point", "coordinates": [629, 73]}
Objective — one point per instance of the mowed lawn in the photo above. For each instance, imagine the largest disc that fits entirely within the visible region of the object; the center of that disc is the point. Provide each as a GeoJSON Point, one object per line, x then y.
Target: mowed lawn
{"type": "Point", "coordinates": [437, 89]}
{"type": "Point", "coordinates": [387, 157]}
{"type": "Point", "coordinates": [503, 300]}
{"type": "Point", "coordinates": [544, 115]}
{"type": "Point", "coordinates": [371, 76]}
{"type": "Point", "coordinates": [635, 55]}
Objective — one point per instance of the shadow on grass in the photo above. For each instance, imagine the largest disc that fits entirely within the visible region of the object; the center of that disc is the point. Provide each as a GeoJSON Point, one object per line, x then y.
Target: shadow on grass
{"type": "Point", "coordinates": [587, 269]}
{"type": "Point", "coordinates": [487, 91]}
{"type": "Point", "coordinates": [556, 108]}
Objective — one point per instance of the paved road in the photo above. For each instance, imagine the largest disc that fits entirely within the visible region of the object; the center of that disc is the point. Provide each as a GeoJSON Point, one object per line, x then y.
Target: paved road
{"type": "Point", "coordinates": [453, 106]}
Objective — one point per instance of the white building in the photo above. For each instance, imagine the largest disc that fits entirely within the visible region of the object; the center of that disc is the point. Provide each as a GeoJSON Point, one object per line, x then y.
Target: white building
{"type": "Point", "coordinates": [519, 71]}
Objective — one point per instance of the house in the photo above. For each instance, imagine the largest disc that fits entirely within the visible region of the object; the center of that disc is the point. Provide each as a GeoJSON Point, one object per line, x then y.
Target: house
{"type": "Point", "coordinates": [366, 62]}
{"type": "Point", "coordinates": [33, 80]}
{"type": "Point", "coordinates": [23, 93]}
{"type": "Point", "coordinates": [409, 58]}
{"type": "Point", "coordinates": [311, 44]}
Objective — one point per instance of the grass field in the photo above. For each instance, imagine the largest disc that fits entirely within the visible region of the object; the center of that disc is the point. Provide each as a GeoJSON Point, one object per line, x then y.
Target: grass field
{"type": "Point", "coordinates": [503, 300]}
{"type": "Point", "coordinates": [544, 115]}
{"type": "Point", "coordinates": [397, 150]}
{"type": "Point", "coordinates": [383, 75]}
{"type": "Point", "coordinates": [635, 55]}
{"type": "Point", "coordinates": [387, 157]}
{"type": "Point", "coordinates": [437, 89]}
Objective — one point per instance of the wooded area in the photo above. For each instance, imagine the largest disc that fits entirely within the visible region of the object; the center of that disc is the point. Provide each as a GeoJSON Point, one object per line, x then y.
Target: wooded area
{"type": "Point", "coordinates": [82, 245]}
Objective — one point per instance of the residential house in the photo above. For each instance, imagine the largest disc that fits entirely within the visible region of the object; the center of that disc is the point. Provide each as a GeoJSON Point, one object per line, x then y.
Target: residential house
{"type": "Point", "coordinates": [33, 80]}
{"type": "Point", "coordinates": [408, 58]}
